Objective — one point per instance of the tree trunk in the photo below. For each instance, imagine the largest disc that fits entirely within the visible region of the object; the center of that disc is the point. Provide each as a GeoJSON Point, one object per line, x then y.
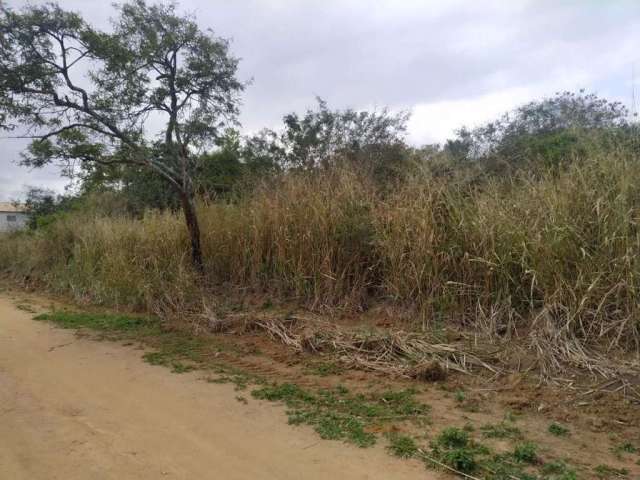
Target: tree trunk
{"type": "Point", "coordinates": [194, 230]}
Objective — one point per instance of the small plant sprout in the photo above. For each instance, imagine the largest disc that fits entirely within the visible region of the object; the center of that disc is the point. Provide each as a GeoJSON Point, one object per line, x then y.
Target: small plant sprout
{"type": "Point", "coordinates": [558, 430]}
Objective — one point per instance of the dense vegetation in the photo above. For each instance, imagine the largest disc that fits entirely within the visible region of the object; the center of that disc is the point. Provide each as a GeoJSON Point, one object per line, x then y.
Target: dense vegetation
{"type": "Point", "coordinates": [553, 247]}
{"type": "Point", "coordinates": [528, 223]}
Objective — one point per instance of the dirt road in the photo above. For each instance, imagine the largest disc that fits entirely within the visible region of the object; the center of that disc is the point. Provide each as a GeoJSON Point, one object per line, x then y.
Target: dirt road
{"type": "Point", "coordinates": [74, 408]}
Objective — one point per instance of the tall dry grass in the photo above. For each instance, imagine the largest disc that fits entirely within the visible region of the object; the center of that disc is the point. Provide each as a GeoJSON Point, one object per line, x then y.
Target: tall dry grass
{"type": "Point", "coordinates": [555, 252]}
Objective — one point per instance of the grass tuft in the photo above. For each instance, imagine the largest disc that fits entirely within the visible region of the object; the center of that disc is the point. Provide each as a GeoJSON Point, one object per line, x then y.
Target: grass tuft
{"type": "Point", "coordinates": [605, 472]}
{"type": "Point", "coordinates": [500, 430]}
{"type": "Point", "coordinates": [526, 452]}
{"type": "Point", "coordinates": [402, 446]}
{"type": "Point", "coordinates": [337, 414]}
{"type": "Point", "coordinates": [558, 430]}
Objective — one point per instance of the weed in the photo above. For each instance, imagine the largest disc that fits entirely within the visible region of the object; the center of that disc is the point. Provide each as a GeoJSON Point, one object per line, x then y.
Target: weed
{"type": "Point", "coordinates": [240, 380]}
{"type": "Point", "coordinates": [504, 467]}
{"type": "Point", "coordinates": [241, 399]}
{"type": "Point", "coordinates": [460, 396]}
{"type": "Point", "coordinates": [402, 402]}
{"type": "Point", "coordinates": [625, 447]}
{"type": "Point", "coordinates": [453, 438]}
{"type": "Point", "coordinates": [558, 430]}
{"type": "Point", "coordinates": [454, 448]}
{"type": "Point", "coordinates": [179, 367]}
{"type": "Point", "coordinates": [558, 470]}
{"type": "Point", "coordinates": [325, 369]}
{"type": "Point", "coordinates": [500, 430]}
{"type": "Point", "coordinates": [462, 459]}
{"type": "Point", "coordinates": [606, 472]}
{"type": "Point", "coordinates": [339, 415]}
{"type": "Point", "coordinates": [155, 358]}
{"type": "Point", "coordinates": [402, 446]}
{"type": "Point", "coordinates": [628, 447]}
{"type": "Point", "coordinates": [526, 452]}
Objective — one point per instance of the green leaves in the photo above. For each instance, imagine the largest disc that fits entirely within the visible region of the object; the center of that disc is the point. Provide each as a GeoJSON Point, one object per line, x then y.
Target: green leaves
{"type": "Point", "coordinates": [155, 63]}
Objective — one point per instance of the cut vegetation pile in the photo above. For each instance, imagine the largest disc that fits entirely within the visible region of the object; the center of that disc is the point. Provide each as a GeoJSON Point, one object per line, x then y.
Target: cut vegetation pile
{"type": "Point", "coordinates": [399, 353]}
{"type": "Point", "coordinates": [549, 257]}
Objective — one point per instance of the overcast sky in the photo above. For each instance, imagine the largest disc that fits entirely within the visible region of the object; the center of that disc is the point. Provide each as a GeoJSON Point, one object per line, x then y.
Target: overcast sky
{"type": "Point", "coordinates": [451, 63]}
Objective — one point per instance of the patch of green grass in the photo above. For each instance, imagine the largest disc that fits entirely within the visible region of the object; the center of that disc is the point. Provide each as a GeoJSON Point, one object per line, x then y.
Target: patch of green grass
{"type": "Point", "coordinates": [167, 360]}
{"type": "Point", "coordinates": [325, 369]}
{"type": "Point", "coordinates": [175, 350]}
{"type": "Point", "coordinates": [457, 449]}
{"type": "Point", "coordinates": [401, 403]}
{"type": "Point", "coordinates": [337, 414]}
{"type": "Point", "coordinates": [526, 452]}
{"type": "Point", "coordinates": [99, 321]}
{"type": "Point", "coordinates": [179, 367]}
{"type": "Point", "coordinates": [178, 352]}
{"type": "Point", "coordinates": [241, 381]}
{"type": "Point", "coordinates": [228, 374]}
{"type": "Point", "coordinates": [558, 470]}
{"type": "Point", "coordinates": [504, 467]}
{"type": "Point", "coordinates": [155, 358]}
{"type": "Point", "coordinates": [500, 430]}
{"type": "Point", "coordinates": [462, 459]}
{"type": "Point", "coordinates": [402, 446]}
{"type": "Point", "coordinates": [606, 472]}
{"type": "Point", "coordinates": [453, 438]}
{"type": "Point", "coordinates": [454, 447]}
{"type": "Point", "coordinates": [558, 430]}
{"type": "Point", "coordinates": [627, 447]}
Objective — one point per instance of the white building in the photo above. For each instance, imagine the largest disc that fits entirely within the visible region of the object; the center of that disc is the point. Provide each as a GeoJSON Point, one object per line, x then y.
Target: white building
{"type": "Point", "coordinates": [12, 217]}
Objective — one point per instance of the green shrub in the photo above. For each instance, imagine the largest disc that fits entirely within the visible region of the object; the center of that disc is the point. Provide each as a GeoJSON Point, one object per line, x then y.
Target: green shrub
{"type": "Point", "coordinates": [526, 452]}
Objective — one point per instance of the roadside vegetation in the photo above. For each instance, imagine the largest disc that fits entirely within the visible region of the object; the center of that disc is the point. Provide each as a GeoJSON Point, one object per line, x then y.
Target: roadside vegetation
{"type": "Point", "coordinates": [509, 249]}
{"type": "Point", "coordinates": [357, 414]}
{"type": "Point", "coordinates": [547, 255]}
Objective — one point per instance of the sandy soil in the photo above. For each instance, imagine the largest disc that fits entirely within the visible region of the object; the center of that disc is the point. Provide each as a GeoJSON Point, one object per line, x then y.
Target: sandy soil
{"type": "Point", "coordinates": [72, 408]}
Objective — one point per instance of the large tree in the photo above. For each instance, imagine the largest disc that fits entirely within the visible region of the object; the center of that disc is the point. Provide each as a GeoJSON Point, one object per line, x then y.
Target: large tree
{"type": "Point", "coordinates": [550, 127]}
{"type": "Point", "coordinates": [153, 92]}
{"type": "Point", "coordinates": [323, 137]}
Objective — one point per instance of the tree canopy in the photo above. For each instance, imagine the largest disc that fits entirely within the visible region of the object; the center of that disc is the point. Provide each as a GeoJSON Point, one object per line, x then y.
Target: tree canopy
{"type": "Point", "coordinates": [547, 127]}
{"type": "Point", "coordinates": [325, 137]}
{"type": "Point", "coordinates": [151, 92]}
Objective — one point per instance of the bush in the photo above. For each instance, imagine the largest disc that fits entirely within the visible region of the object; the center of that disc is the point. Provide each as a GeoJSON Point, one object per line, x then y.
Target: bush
{"type": "Point", "coordinates": [554, 252]}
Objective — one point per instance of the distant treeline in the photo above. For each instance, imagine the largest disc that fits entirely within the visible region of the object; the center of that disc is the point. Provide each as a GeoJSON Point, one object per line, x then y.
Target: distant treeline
{"type": "Point", "coordinates": [540, 135]}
